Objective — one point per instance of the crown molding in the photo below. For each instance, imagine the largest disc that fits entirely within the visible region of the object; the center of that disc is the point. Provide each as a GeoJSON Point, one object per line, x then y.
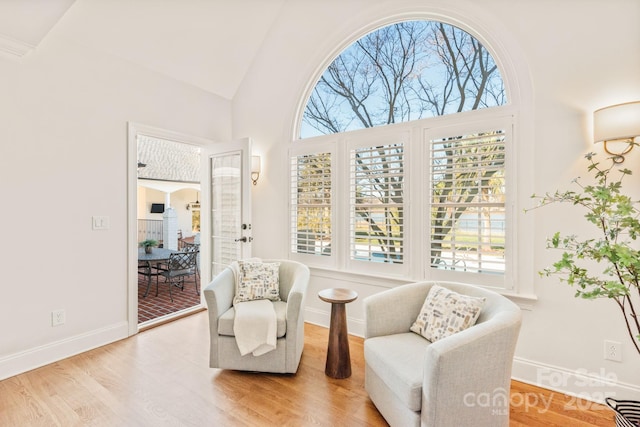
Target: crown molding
{"type": "Point", "coordinates": [13, 47]}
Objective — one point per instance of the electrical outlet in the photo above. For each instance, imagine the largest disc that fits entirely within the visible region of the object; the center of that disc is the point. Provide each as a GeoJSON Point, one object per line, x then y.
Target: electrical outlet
{"type": "Point", "coordinates": [57, 317]}
{"type": "Point", "coordinates": [613, 351]}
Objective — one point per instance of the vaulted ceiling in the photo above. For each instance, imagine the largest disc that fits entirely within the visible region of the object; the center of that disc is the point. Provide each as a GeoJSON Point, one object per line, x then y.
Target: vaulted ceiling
{"type": "Point", "coordinates": [207, 43]}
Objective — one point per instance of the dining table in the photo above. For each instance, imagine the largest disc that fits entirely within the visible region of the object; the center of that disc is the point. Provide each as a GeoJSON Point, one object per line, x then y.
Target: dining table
{"type": "Point", "coordinates": [156, 257]}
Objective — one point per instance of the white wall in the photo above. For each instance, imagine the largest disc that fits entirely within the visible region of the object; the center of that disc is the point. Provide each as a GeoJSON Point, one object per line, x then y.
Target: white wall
{"type": "Point", "coordinates": [63, 158]}
{"type": "Point", "coordinates": [572, 57]}
{"type": "Point", "coordinates": [179, 201]}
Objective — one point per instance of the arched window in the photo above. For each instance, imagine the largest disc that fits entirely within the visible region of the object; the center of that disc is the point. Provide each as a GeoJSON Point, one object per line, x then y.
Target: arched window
{"type": "Point", "coordinates": [403, 159]}
{"type": "Point", "coordinates": [405, 71]}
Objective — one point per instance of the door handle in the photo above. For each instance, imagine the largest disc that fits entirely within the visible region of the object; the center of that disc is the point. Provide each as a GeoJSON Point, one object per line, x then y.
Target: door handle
{"type": "Point", "coordinates": [244, 239]}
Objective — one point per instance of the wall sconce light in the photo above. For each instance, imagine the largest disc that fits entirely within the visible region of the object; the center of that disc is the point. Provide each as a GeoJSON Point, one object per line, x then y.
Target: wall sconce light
{"type": "Point", "coordinates": [618, 124]}
{"type": "Point", "coordinates": [195, 204]}
{"type": "Point", "coordinates": [255, 169]}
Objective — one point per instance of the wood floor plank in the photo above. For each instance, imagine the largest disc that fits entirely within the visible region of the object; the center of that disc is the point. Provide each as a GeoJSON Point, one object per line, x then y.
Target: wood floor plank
{"type": "Point", "coordinates": [161, 377]}
{"type": "Point", "coordinates": [548, 408]}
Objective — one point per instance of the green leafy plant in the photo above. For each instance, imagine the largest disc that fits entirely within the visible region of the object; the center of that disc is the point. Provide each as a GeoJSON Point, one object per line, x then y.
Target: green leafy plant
{"type": "Point", "coordinates": [148, 243]}
{"type": "Point", "coordinates": [616, 216]}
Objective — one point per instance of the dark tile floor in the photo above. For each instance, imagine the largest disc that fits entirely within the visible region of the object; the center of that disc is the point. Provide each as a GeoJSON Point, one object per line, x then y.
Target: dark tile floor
{"type": "Point", "coordinates": [152, 306]}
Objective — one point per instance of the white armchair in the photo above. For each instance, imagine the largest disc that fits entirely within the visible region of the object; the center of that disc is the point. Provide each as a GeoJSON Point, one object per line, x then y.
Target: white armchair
{"type": "Point", "coordinates": [224, 352]}
{"type": "Point", "coordinates": [461, 380]}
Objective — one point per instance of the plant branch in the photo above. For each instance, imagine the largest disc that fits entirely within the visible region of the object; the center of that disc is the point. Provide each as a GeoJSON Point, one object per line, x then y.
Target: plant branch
{"type": "Point", "coordinates": [615, 215]}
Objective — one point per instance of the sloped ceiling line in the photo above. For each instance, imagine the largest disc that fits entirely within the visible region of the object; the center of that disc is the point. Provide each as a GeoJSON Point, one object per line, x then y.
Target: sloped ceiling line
{"type": "Point", "coordinates": [14, 48]}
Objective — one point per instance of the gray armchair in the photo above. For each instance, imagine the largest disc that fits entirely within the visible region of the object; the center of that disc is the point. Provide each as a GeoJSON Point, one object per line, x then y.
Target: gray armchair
{"type": "Point", "coordinates": [224, 352]}
{"type": "Point", "coordinates": [461, 380]}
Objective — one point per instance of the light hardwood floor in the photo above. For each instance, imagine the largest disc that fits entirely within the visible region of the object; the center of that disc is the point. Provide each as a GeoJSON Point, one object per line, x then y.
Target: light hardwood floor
{"type": "Point", "coordinates": [161, 377]}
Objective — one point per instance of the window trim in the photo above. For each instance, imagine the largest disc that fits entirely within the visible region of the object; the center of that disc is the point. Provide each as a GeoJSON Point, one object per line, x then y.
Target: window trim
{"type": "Point", "coordinates": [416, 151]}
{"type": "Point", "coordinates": [498, 121]}
{"type": "Point", "coordinates": [516, 75]}
{"type": "Point", "coordinates": [305, 149]}
{"type": "Point", "coordinates": [360, 139]}
{"type": "Point", "coordinates": [495, 39]}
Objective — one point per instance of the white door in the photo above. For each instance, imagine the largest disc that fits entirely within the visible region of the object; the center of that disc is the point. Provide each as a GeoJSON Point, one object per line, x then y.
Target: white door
{"type": "Point", "coordinates": [226, 205]}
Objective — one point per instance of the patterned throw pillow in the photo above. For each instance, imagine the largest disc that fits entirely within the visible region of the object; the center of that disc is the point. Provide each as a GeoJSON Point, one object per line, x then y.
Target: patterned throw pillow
{"type": "Point", "coordinates": [257, 280]}
{"type": "Point", "coordinates": [446, 312]}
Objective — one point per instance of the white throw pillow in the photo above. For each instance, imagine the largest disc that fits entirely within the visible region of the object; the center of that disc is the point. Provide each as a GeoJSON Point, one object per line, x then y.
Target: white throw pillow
{"type": "Point", "coordinates": [446, 312]}
{"type": "Point", "coordinates": [257, 280]}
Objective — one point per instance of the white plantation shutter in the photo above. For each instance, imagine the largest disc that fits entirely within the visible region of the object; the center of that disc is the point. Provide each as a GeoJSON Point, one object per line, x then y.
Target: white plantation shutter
{"type": "Point", "coordinates": [377, 204]}
{"type": "Point", "coordinates": [467, 202]}
{"type": "Point", "coordinates": [420, 201]}
{"type": "Point", "coordinates": [311, 204]}
{"type": "Point", "coordinates": [226, 209]}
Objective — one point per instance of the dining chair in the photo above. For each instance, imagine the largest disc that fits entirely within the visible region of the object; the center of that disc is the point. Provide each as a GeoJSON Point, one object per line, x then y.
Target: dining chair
{"type": "Point", "coordinates": [194, 247]}
{"type": "Point", "coordinates": [180, 266]}
{"type": "Point", "coordinates": [148, 271]}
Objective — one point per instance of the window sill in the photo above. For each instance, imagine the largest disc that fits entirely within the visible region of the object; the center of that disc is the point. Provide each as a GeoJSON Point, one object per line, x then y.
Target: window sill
{"type": "Point", "coordinates": [524, 301]}
{"type": "Point", "coordinates": [349, 276]}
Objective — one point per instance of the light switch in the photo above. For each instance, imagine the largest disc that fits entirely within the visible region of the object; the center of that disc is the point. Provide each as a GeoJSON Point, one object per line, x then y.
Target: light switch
{"type": "Point", "coordinates": [100, 222]}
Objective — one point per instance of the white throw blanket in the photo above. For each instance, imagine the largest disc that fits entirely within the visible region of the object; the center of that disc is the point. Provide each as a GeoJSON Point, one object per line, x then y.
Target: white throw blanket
{"type": "Point", "coordinates": [255, 327]}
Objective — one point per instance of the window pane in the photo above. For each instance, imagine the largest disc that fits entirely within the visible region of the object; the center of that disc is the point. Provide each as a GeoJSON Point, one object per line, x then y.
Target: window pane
{"type": "Point", "coordinates": [311, 204]}
{"type": "Point", "coordinates": [226, 209]}
{"type": "Point", "coordinates": [376, 199]}
{"type": "Point", "coordinates": [468, 203]}
{"type": "Point", "coordinates": [402, 72]}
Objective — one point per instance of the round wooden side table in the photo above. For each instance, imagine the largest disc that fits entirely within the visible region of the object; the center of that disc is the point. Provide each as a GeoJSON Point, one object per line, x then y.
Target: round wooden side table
{"type": "Point", "coordinates": [338, 357]}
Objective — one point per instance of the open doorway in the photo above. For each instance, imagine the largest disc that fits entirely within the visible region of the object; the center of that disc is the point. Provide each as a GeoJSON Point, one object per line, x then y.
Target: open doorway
{"type": "Point", "coordinates": [225, 216]}
{"type": "Point", "coordinates": [167, 226]}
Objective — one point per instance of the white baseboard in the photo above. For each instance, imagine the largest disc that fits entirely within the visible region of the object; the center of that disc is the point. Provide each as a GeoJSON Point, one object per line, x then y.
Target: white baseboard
{"type": "Point", "coordinates": [323, 318]}
{"type": "Point", "coordinates": [581, 385]}
{"type": "Point", "coordinates": [33, 358]}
